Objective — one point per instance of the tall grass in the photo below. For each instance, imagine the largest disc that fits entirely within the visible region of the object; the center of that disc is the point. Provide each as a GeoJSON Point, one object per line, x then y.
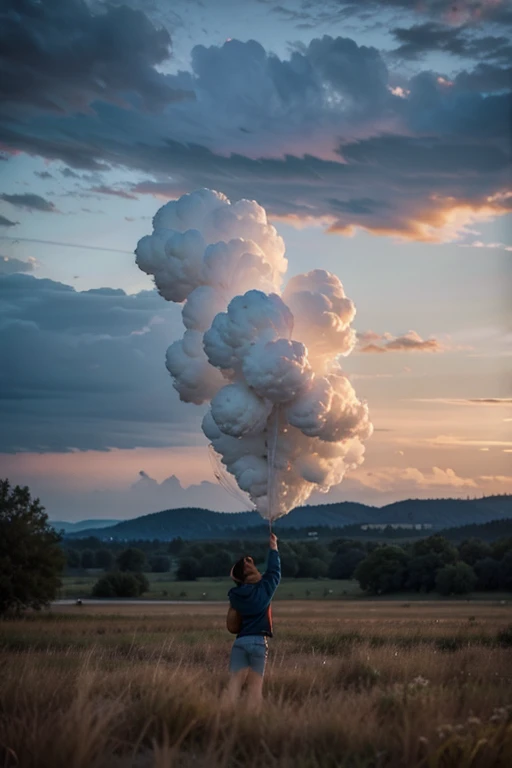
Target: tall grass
{"type": "Point", "coordinates": [374, 688]}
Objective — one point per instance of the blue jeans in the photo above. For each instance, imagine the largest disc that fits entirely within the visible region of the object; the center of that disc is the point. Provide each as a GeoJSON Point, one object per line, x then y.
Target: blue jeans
{"type": "Point", "coordinates": [249, 652]}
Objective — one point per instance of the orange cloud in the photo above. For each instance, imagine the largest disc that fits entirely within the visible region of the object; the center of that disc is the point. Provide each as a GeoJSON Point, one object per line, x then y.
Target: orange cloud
{"type": "Point", "coordinates": [389, 478]}
{"type": "Point", "coordinates": [441, 220]}
{"type": "Point", "coordinates": [409, 342]}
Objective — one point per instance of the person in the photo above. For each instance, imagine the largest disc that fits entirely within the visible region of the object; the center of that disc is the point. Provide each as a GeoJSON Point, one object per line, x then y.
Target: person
{"type": "Point", "coordinates": [250, 618]}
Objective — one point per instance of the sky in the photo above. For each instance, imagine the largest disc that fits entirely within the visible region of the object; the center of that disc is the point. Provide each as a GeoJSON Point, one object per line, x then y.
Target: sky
{"type": "Point", "coordinates": [376, 135]}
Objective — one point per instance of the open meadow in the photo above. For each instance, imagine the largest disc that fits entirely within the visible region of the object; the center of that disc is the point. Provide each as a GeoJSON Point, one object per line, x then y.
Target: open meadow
{"type": "Point", "coordinates": [352, 683]}
{"type": "Point", "coordinates": [164, 587]}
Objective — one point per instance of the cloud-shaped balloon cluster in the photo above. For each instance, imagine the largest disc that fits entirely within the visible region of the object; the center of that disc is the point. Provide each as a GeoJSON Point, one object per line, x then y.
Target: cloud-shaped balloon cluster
{"type": "Point", "coordinates": [283, 417]}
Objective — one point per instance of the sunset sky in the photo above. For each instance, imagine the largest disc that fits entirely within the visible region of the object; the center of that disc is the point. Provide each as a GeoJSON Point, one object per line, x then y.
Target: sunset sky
{"type": "Point", "coordinates": [375, 133]}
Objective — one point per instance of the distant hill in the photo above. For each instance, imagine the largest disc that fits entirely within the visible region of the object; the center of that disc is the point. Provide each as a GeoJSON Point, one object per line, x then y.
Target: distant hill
{"type": "Point", "coordinates": [82, 525]}
{"type": "Point", "coordinates": [191, 523]}
{"type": "Point", "coordinates": [494, 529]}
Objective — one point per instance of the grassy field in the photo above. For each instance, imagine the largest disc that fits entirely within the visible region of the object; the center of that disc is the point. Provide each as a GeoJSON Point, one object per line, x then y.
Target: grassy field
{"type": "Point", "coordinates": [162, 588]}
{"type": "Point", "coordinates": [353, 684]}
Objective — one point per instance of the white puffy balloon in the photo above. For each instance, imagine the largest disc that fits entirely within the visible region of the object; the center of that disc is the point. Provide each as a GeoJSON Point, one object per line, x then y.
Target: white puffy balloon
{"type": "Point", "coordinates": [237, 410]}
{"type": "Point", "coordinates": [194, 378]}
{"type": "Point", "coordinates": [253, 317]}
{"type": "Point", "coordinates": [322, 314]}
{"type": "Point", "coordinates": [278, 370]}
{"type": "Point", "coordinates": [283, 418]}
{"type": "Point", "coordinates": [330, 409]}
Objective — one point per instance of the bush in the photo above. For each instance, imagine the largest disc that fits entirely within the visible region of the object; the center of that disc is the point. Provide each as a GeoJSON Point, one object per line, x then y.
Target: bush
{"type": "Point", "coordinates": [119, 584]}
{"type": "Point", "coordinates": [143, 582]}
{"type": "Point", "coordinates": [458, 579]}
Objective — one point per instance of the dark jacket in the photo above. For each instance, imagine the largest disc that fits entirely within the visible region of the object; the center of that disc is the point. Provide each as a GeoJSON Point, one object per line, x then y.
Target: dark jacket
{"type": "Point", "coordinates": [252, 601]}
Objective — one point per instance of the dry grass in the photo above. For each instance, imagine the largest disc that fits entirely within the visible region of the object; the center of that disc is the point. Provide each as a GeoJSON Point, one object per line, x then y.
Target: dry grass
{"type": "Point", "coordinates": [355, 685]}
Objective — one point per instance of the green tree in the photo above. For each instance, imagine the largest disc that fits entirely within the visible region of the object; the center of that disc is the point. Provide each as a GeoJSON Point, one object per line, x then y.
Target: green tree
{"type": "Point", "coordinates": [289, 566]}
{"type": "Point", "coordinates": [73, 558]}
{"type": "Point", "coordinates": [188, 569]}
{"type": "Point", "coordinates": [120, 584]}
{"type": "Point", "coordinates": [131, 559]}
{"type": "Point", "coordinates": [501, 547]}
{"type": "Point", "coordinates": [176, 546]}
{"type": "Point", "coordinates": [88, 558]}
{"type": "Point", "coordinates": [311, 568]}
{"type": "Point", "coordinates": [472, 550]}
{"type": "Point", "coordinates": [104, 559]}
{"type": "Point", "coordinates": [344, 563]}
{"type": "Point", "coordinates": [436, 545]}
{"type": "Point", "coordinates": [383, 570]}
{"type": "Point", "coordinates": [143, 582]}
{"type": "Point", "coordinates": [456, 579]}
{"type": "Point", "coordinates": [31, 558]}
{"type": "Point", "coordinates": [506, 572]}
{"type": "Point", "coordinates": [422, 571]}
{"type": "Point", "coordinates": [216, 564]}
{"type": "Point", "coordinates": [160, 564]}
{"type": "Point", "coordinates": [489, 573]}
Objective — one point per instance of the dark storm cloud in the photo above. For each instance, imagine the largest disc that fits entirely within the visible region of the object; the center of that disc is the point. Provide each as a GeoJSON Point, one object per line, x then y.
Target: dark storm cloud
{"type": "Point", "coordinates": [43, 174]}
{"type": "Point", "coordinates": [420, 39]}
{"type": "Point", "coordinates": [430, 36]}
{"type": "Point", "coordinates": [457, 11]}
{"type": "Point", "coordinates": [69, 174]}
{"type": "Point", "coordinates": [29, 202]}
{"type": "Point", "coordinates": [58, 55]}
{"type": "Point", "coordinates": [4, 222]}
{"type": "Point", "coordinates": [324, 133]}
{"type": "Point", "coordinates": [485, 78]}
{"type": "Point", "coordinates": [85, 369]}
{"type": "Point", "coordinates": [302, 187]}
{"type": "Point", "coordinates": [10, 265]}
{"type": "Point", "coordinates": [104, 190]}
{"type": "Point", "coordinates": [307, 14]}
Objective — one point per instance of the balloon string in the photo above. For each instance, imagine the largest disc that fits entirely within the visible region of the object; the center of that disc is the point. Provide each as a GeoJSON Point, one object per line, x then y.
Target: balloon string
{"type": "Point", "coordinates": [271, 465]}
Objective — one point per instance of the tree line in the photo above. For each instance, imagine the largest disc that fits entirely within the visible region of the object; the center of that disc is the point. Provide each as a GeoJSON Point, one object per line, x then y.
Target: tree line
{"type": "Point", "coordinates": [33, 556]}
{"type": "Point", "coordinates": [431, 564]}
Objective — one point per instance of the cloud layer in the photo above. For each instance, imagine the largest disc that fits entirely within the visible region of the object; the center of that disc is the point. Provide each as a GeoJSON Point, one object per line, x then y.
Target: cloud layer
{"type": "Point", "coordinates": [328, 133]}
{"type": "Point", "coordinates": [85, 370]}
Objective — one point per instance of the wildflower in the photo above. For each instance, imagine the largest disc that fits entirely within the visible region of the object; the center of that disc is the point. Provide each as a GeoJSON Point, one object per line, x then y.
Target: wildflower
{"type": "Point", "coordinates": [499, 715]}
{"type": "Point", "coordinates": [474, 721]}
{"type": "Point", "coordinates": [445, 730]}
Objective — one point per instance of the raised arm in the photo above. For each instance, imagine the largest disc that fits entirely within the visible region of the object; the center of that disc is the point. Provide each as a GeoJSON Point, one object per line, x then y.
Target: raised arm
{"type": "Point", "coordinates": [272, 575]}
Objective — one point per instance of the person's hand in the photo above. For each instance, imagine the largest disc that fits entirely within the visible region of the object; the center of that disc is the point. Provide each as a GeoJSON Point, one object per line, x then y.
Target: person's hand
{"type": "Point", "coordinates": [273, 541]}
